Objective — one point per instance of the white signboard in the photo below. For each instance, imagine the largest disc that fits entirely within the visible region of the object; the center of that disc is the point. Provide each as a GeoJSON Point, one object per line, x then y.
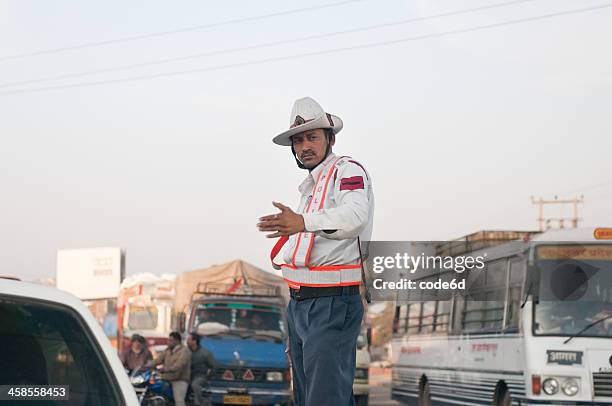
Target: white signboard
{"type": "Point", "coordinates": [92, 273]}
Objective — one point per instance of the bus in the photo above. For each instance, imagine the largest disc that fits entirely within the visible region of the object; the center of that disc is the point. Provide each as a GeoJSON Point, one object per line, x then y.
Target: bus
{"type": "Point", "coordinates": [146, 306]}
{"type": "Point", "coordinates": [533, 327]}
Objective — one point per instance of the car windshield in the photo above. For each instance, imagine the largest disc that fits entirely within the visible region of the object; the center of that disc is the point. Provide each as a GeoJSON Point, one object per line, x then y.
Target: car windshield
{"type": "Point", "coordinates": [142, 318]}
{"type": "Point", "coordinates": [238, 317]}
{"type": "Point", "coordinates": [575, 290]}
{"type": "Point", "coordinates": [45, 344]}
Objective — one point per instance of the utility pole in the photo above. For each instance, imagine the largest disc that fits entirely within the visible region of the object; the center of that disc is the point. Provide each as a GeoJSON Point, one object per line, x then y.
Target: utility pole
{"type": "Point", "coordinates": [544, 222]}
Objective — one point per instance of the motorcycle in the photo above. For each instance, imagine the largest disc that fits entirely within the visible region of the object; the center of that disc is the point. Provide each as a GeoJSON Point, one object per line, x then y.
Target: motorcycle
{"type": "Point", "coordinates": [151, 390]}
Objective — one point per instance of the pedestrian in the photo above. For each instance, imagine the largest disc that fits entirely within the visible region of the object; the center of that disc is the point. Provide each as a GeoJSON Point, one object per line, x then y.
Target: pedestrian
{"type": "Point", "coordinates": [176, 367]}
{"type": "Point", "coordinates": [320, 246]}
{"type": "Point", "coordinates": [137, 355]}
{"type": "Point", "coordinates": [202, 366]}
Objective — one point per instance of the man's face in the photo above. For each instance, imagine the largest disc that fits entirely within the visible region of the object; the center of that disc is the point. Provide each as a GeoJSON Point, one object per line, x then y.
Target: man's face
{"type": "Point", "coordinates": [173, 342]}
{"type": "Point", "coordinates": [136, 346]}
{"type": "Point", "coordinates": [310, 147]}
{"type": "Point", "coordinates": [256, 320]}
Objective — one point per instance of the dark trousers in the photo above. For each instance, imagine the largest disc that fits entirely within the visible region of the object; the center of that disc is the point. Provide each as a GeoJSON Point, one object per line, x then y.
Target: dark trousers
{"type": "Point", "coordinates": [322, 344]}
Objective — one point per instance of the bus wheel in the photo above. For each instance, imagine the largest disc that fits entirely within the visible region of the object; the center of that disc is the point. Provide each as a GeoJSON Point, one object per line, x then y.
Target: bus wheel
{"type": "Point", "coordinates": [503, 398]}
{"type": "Point", "coordinates": [425, 394]}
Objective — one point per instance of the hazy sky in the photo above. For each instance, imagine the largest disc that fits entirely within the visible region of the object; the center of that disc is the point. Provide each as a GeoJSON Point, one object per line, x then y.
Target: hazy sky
{"type": "Point", "coordinates": [457, 131]}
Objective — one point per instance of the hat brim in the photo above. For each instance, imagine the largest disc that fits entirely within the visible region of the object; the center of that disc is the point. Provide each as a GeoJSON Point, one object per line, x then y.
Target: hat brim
{"type": "Point", "coordinates": [321, 122]}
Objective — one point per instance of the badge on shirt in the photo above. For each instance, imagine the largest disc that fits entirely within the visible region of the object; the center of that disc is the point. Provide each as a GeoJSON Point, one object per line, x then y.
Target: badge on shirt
{"type": "Point", "coordinates": [352, 183]}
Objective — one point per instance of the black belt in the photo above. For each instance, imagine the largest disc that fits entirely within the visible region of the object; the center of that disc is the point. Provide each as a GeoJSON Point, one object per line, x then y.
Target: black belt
{"type": "Point", "coordinates": [307, 292]}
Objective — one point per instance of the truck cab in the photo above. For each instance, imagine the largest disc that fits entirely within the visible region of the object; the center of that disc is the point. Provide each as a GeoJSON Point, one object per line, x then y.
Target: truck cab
{"type": "Point", "coordinates": [245, 331]}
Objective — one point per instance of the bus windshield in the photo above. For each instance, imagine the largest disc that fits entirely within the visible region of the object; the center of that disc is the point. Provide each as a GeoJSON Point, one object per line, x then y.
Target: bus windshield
{"type": "Point", "coordinates": [142, 318]}
{"type": "Point", "coordinates": [575, 290]}
{"type": "Point", "coordinates": [239, 317]}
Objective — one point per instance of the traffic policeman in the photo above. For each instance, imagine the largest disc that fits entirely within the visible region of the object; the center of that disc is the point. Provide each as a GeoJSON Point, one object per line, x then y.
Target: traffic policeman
{"type": "Point", "coordinates": [322, 261]}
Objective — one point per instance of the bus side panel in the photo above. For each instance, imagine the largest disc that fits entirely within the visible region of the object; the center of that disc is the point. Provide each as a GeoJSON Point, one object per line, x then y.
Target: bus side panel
{"type": "Point", "coordinates": [457, 369]}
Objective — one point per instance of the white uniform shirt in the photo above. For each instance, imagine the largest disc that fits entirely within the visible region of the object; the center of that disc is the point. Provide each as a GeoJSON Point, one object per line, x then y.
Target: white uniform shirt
{"type": "Point", "coordinates": [347, 213]}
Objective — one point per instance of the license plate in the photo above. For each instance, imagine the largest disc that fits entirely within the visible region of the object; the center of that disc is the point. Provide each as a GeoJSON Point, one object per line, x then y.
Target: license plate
{"type": "Point", "coordinates": [237, 400]}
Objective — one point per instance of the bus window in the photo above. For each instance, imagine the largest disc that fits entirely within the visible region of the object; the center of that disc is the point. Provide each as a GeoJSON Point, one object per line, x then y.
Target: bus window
{"type": "Point", "coordinates": [427, 318]}
{"type": "Point", "coordinates": [396, 320]}
{"type": "Point", "coordinates": [472, 315]}
{"type": "Point", "coordinates": [142, 318]}
{"type": "Point", "coordinates": [574, 292]}
{"type": "Point", "coordinates": [517, 273]}
{"type": "Point", "coordinates": [514, 304]}
{"type": "Point", "coordinates": [402, 318]}
{"type": "Point", "coordinates": [496, 273]}
{"type": "Point", "coordinates": [414, 318]}
{"type": "Point", "coordinates": [442, 316]}
{"type": "Point", "coordinates": [484, 302]}
{"type": "Point", "coordinates": [494, 310]}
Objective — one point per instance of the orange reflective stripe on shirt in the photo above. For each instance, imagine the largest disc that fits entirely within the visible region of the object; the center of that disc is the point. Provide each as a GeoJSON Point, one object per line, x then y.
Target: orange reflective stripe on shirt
{"type": "Point", "coordinates": [277, 248]}
{"type": "Point", "coordinates": [318, 285]}
{"type": "Point", "coordinates": [333, 267]}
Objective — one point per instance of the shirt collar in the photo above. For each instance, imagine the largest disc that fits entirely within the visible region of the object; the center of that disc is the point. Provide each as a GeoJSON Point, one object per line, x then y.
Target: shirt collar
{"type": "Point", "coordinates": [314, 174]}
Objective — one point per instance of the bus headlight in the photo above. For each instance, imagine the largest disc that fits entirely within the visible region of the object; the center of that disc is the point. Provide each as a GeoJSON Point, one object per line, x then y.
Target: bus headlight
{"type": "Point", "coordinates": [361, 373]}
{"type": "Point", "coordinates": [274, 376]}
{"type": "Point", "coordinates": [570, 387]}
{"type": "Point", "coordinates": [550, 386]}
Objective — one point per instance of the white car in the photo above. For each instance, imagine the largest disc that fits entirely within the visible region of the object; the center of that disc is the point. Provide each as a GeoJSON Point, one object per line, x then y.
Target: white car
{"type": "Point", "coordinates": [361, 384]}
{"type": "Point", "coordinates": [51, 343]}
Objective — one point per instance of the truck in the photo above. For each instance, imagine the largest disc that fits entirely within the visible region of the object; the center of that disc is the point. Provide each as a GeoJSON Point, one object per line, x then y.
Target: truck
{"type": "Point", "coordinates": [239, 312]}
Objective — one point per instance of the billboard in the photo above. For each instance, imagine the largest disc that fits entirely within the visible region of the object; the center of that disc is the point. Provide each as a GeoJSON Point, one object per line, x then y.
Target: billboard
{"type": "Point", "coordinates": [90, 273]}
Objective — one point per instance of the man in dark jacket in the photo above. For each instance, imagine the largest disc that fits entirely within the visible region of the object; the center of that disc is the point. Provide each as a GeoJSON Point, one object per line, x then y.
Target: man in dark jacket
{"type": "Point", "coordinates": [202, 365]}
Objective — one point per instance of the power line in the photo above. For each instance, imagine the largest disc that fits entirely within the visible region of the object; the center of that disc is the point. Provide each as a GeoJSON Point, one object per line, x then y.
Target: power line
{"type": "Point", "coordinates": [316, 53]}
{"type": "Point", "coordinates": [176, 31]}
{"type": "Point", "coordinates": [263, 45]}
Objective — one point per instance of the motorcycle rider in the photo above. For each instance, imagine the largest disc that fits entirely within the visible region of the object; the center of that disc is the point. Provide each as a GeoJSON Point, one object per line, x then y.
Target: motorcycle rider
{"type": "Point", "coordinates": [176, 367]}
{"type": "Point", "coordinates": [202, 365]}
{"type": "Point", "coordinates": [137, 354]}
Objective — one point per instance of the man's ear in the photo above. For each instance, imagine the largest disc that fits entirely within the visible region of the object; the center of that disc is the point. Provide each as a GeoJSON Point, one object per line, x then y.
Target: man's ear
{"type": "Point", "coordinates": [332, 139]}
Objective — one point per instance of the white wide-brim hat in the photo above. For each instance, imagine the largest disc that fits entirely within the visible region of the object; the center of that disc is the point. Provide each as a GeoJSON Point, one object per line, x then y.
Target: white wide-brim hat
{"type": "Point", "coordinates": [306, 115]}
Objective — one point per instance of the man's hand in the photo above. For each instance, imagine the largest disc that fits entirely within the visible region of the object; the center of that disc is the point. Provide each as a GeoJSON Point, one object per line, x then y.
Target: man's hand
{"type": "Point", "coordinates": [287, 222]}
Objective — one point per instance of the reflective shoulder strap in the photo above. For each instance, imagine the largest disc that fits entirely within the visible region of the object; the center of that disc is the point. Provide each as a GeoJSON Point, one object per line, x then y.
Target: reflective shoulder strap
{"type": "Point", "coordinates": [276, 249]}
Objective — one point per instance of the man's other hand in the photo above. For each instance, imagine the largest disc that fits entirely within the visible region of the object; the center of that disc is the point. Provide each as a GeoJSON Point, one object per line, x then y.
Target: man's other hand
{"type": "Point", "coordinates": [287, 222]}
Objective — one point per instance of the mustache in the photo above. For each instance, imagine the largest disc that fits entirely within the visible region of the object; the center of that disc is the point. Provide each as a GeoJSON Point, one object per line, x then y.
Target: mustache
{"type": "Point", "coordinates": [307, 154]}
